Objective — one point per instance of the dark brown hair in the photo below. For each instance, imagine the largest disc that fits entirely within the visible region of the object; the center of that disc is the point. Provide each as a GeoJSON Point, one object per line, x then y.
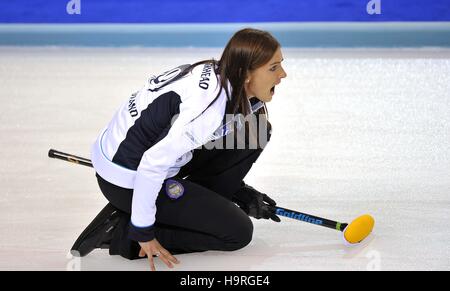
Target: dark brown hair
{"type": "Point", "coordinates": [247, 50]}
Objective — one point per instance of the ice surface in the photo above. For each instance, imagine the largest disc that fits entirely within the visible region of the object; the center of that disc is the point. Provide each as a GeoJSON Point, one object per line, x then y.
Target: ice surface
{"type": "Point", "coordinates": [355, 131]}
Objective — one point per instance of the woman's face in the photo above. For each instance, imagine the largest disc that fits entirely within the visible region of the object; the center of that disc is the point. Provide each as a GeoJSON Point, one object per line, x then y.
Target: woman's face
{"type": "Point", "coordinates": [261, 82]}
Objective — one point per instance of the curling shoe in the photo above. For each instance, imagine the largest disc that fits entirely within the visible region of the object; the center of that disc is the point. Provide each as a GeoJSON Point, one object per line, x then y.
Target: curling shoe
{"type": "Point", "coordinates": [99, 233]}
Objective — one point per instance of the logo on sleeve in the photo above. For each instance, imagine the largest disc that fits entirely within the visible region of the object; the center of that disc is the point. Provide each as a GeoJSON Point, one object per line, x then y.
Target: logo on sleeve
{"type": "Point", "coordinates": [174, 189]}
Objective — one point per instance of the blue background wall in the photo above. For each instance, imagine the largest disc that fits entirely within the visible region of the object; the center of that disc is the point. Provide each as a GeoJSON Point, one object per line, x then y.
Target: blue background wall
{"type": "Point", "coordinates": [174, 11]}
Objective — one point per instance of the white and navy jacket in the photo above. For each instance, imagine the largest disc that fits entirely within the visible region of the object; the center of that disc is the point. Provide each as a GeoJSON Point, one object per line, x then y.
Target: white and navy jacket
{"type": "Point", "coordinates": [153, 134]}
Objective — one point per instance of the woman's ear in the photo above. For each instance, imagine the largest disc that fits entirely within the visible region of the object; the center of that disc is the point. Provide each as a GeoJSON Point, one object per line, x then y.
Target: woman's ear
{"type": "Point", "coordinates": [249, 77]}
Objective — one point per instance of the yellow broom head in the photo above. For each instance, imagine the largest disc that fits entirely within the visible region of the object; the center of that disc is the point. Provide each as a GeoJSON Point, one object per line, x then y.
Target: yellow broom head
{"type": "Point", "coordinates": [359, 229]}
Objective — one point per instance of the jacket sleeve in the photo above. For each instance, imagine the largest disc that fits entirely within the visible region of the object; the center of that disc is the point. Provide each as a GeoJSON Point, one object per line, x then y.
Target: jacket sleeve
{"type": "Point", "coordinates": [151, 173]}
{"type": "Point", "coordinates": [186, 134]}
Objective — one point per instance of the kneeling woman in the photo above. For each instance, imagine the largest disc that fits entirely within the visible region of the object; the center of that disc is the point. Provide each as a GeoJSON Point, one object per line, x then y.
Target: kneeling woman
{"type": "Point", "coordinates": [170, 191]}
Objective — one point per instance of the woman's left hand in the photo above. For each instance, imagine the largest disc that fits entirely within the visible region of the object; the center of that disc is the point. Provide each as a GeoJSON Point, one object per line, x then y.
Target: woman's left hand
{"type": "Point", "coordinates": [154, 248]}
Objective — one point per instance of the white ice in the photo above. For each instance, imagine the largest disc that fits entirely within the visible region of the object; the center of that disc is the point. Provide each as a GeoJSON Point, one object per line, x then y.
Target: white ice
{"type": "Point", "coordinates": [355, 131]}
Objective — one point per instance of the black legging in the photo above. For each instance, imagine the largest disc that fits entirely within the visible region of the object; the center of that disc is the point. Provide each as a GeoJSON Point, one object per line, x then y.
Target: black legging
{"type": "Point", "coordinates": [204, 218]}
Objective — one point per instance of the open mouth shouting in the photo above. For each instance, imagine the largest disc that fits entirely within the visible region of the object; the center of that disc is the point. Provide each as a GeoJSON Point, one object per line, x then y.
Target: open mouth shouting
{"type": "Point", "coordinates": [272, 90]}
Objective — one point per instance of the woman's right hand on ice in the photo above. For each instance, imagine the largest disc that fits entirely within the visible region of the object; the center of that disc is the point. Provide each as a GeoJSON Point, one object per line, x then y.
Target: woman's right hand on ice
{"type": "Point", "coordinates": [154, 248]}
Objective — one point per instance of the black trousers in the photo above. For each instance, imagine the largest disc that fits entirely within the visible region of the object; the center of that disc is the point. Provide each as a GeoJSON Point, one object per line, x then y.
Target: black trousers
{"type": "Point", "coordinates": [204, 218]}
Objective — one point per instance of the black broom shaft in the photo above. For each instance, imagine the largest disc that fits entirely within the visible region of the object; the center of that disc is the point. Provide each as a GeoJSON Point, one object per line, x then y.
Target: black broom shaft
{"type": "Point", "coordinates": [310, 218]}
{"type": "Point", "coordinates": [69, 158]}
